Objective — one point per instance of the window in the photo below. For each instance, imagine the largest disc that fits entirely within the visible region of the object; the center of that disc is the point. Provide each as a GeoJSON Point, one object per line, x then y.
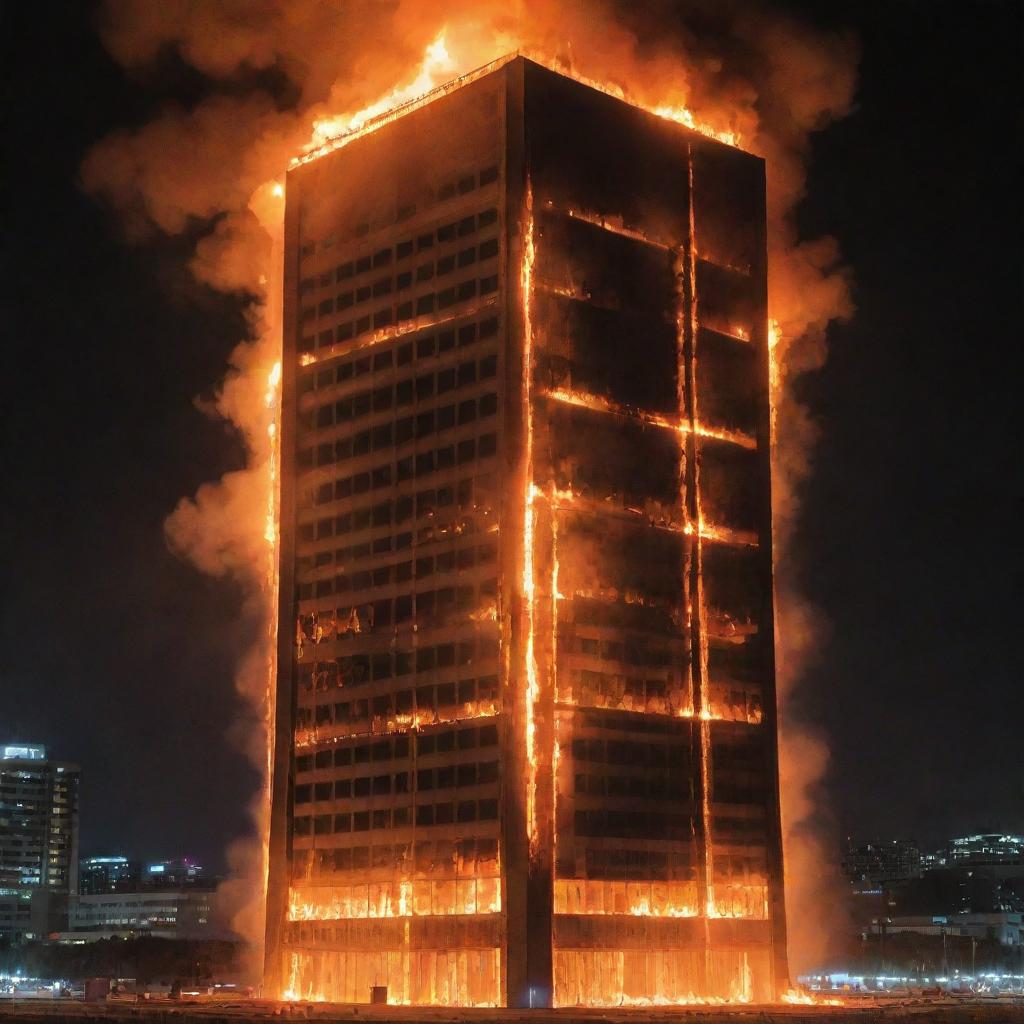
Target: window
{"type": "Point", "coordinates": [467, 411]}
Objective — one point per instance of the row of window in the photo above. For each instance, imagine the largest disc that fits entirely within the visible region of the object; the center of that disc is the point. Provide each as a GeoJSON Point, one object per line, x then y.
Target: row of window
{"type": "Point", "coordinates": [738, 793]}
{"type": "Point", "coordinates": [620, 723]}
{"type": "Point", "coordinates": [403, 392]}
{"type": "Point", "coordinates": [632, 824]}
{"type": "Point", "coordinates": [656, 619]}
{"type": "Point", "coordinates": [653, 787]}
{"type": "Point", "coordinates": [338, 371]}
{"type": "Point", "coordinates": [367, 549]}
{"type": "Point", "coordinates": [411, 467]}
{"type": "Point", "coordinates": [392, 314]}
{"type": "Point", "coordinates": [654, 696]}
{"type": "Point", "coordinates": [404, 572]}
{"type": "Point", "coordinates": [397, 433]}
{"type": "Point", "coordinates": [458, 187]}
{"type": "Point", "coordinates": [456, 560]}
{"type": "Point", "coordinates": [356, 669]}
{"type": "Point", "coordinates": [729, 831]}
{"type": "Point", "coordinates": [436, 605]}
{"type": "Point", "coordinates": [404, 279]}
{"type": "Point", "coordinates": [740, 752]}
{"type": "Point", "coordinates": [633, 753]}
{"type": "Point", "coordinates": [393, 748]}
{"type": "Point", "coordinates": [633, 693]}
{"type": "Point", "coordinates": [357, 552]}
{"type": "Point", "coordinates": [475, 773]}
{"type": "Point", "coordinates": [445, 813]}
{"type": "Point", "coordinates": [629, 651]}
{"type": "Point", "coordinates": [467, 494]}
{"type": "Point", "coordinates": [444, 698]}
{"type": "Point", "coordinates": [441, 857]}
{"type": "Point", "coordinates": [426, 857]}
{"type": "Point", "coordinates": [639, 864]}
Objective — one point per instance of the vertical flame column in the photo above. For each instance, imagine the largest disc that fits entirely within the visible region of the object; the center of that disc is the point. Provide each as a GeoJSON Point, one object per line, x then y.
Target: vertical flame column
{"type": "Point", "coordinates": [528, 818]}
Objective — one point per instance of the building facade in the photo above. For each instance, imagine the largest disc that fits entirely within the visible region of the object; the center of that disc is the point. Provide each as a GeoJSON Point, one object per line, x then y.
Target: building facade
{"type": "Point", "coordinates": [878, 861]}
{"type": "Point", "coordinates": [526, 747]}
{"type": "Point", "coordinates": [168, 913]}
{"type": "Point", "coordinates": [38, 841]}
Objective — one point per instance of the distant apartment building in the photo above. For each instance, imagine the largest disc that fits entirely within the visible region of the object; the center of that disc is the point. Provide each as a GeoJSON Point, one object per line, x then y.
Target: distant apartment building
{"type": "Point", "coordinates": [877, 862]}
{"type": "Point", "coordinates": [38, 841]}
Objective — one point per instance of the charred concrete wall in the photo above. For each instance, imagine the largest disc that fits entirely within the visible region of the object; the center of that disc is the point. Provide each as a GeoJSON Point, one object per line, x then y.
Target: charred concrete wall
{"type": "Point", "coordinates": [525, 719]}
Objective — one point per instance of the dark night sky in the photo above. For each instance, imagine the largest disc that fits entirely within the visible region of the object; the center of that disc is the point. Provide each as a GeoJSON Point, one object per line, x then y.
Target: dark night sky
{"type": "Point", "coordinates": [120, 657]}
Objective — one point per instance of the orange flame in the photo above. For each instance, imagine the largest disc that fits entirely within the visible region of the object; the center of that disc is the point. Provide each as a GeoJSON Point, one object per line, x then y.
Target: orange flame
{"type": "Point", "coordinates": [529, 523]}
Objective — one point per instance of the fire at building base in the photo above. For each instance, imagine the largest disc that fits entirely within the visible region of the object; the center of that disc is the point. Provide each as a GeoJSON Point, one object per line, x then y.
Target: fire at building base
{"type": "Point", "coordinates": [526, 743]}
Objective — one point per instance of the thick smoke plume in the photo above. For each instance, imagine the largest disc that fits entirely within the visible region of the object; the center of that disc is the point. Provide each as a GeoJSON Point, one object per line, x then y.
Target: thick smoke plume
{"type": "Point", "coordinates": [283, 75]}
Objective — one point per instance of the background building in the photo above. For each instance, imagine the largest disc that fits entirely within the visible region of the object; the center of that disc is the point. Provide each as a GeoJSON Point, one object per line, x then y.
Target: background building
{"type": "Point", "coordinates": [164, 899]}
{"type": "Point", "coordinates": [169, 913]}
{"type": "Point", "coordinates": [876, 862]}
{"type": "Point", "coordinates": [971, 889]}
{"type": "Point", "coordinates": [526, 747]}
{"type": "Point", "coordinates": [181, 871]}
{"type": "Point", "coordinates": [102, 874]}
{"type": "Point", "coordinates": [38, 841]}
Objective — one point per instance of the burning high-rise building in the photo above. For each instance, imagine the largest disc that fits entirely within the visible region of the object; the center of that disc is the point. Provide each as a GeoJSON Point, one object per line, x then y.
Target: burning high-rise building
{"type": "Point", "coordinates": [525, 737]}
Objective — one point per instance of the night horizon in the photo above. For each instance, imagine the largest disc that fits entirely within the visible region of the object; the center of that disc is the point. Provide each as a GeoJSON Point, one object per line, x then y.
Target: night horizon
{"type": "Point", "coordinates": [891, 189]}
